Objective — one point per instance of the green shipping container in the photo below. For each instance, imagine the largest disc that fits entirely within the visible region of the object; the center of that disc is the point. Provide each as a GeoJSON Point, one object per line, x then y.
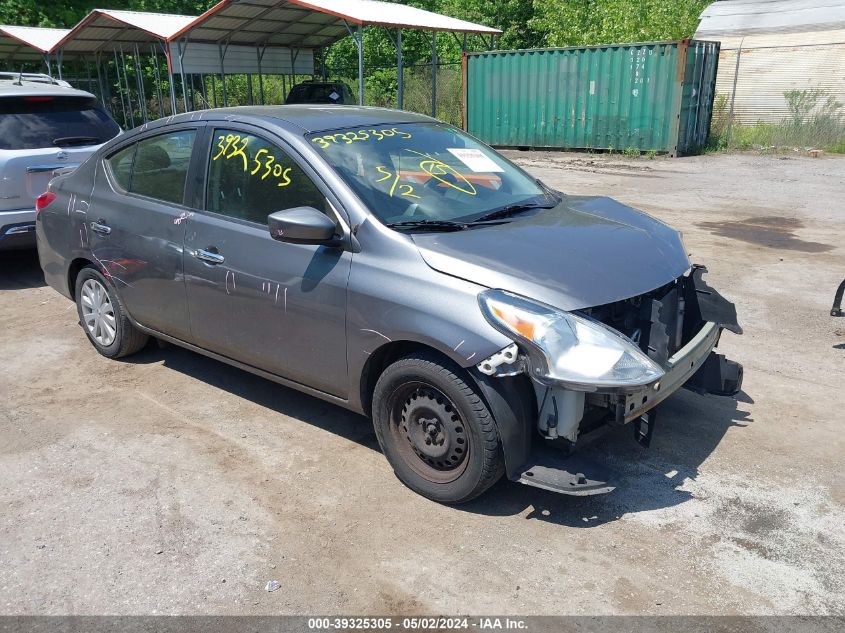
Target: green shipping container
{"type": "Point", "coordinates": [655, 96]}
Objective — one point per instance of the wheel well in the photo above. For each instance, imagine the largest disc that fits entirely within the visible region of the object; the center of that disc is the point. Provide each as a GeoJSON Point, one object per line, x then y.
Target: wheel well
{"type": "Point", "coordinates": [73, 272]}
{"type": "Point", "coordinates": [382, 358]}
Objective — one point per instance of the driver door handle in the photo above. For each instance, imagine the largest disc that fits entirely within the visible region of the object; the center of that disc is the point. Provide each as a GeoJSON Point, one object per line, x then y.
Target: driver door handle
{"type": "Point", "coordinates": [209, 257]}
{"type": "Point", "coordinates": [100, 227]}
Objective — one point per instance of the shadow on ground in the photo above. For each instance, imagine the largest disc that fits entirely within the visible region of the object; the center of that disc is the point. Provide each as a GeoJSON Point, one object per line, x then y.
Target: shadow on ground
{"type": "Point", "coordinates": [20, 269]}
{"type": "Point", "coordinates": [690, 427]}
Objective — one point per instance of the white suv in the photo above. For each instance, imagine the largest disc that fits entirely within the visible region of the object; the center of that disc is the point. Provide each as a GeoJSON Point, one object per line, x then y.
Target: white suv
{"type": "Point", "coordinates": [44, 127]}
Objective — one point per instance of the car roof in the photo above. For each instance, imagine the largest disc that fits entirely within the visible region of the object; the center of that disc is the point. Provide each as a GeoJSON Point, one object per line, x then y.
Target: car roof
{"type": "Point", "coordinates": [11, 88]}
{"type": "Point", "coordinates": [319, 117]}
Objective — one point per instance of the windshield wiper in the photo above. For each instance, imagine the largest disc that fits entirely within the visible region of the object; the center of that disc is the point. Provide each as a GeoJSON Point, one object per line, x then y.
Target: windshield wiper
{"type": "Point", "coordinates": [513, 209]}
{"type": "Point", "coordinates": [436, 225]}
{"type": "Point", "coordinates": [76, 140]}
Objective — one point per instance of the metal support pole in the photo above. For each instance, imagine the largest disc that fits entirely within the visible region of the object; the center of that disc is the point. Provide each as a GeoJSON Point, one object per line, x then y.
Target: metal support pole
{"type": "Point", "coordinates": [157, 77]}
{"type": "Point", "coordinates": [400, 72]}
{"type": "Point", "coordinates": [259, 52]}
{"type": "Point", "coordinates": [139, 81]}
{"type": "Point", "coordinates": [59, 62]}
{"type": "Point", "coordinates": [102, 89]}
{"type": "Point", "coordinates": [171, 88]}
{"type": "Point", "coordinates": [120, 87]}
{"type": "Point", "coordinates": [49, 65]}
{"type": "Point", "coordinates": [128, 89]}
{"type": "Point", "coordinates": [90, 87]}
{"type": "Point", "coordinates": [183, 45]}
{"type": "Point", "coordinates": [360, 41]}
{"type": "Point", "coordinates": [733, 96]}
{"type": "Point", "coordinates": [434, 74]}
{"type": "Point", "coordinates": [223, 73]}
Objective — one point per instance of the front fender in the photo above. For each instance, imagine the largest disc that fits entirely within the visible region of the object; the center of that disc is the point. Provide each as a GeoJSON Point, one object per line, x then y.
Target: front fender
{"type": "Point", "coordinates": [394, 296]}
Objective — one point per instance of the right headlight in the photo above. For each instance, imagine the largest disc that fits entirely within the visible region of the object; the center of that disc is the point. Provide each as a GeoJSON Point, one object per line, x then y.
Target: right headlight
{"type": "Point", "coordinates": [567, 348]}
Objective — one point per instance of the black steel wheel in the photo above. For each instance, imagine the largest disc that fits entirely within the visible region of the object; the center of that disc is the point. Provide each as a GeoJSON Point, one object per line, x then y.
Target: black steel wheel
{"type": "Point", "coordinates": [435, 429]}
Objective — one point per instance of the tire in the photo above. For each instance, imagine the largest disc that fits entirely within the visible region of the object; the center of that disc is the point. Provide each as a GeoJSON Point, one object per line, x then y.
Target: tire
{"type": "Point", "coordinates": [103, 317]}
{"type": "Point", "coordinates": [435, 429]}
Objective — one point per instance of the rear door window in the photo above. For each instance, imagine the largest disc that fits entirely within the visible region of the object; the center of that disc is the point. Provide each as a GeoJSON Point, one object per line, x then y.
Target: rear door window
{"type": "Point", "coordinates": [160, 166]}
{"type": "Point", "coordinates": [33, 122]}
{"type": "Point", "coordinates": [120, 165]}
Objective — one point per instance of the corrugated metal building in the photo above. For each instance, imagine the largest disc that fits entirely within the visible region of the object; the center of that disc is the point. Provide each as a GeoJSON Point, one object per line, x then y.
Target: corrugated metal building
{"type": "Point", "coordinates": [772, 46]}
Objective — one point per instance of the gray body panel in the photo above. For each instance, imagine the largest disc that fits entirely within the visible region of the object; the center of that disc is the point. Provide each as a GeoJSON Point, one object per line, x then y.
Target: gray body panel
{"type": "Point", "coordinates": [587, 251]}
{"type": "Point", "coordinates": [314, 316]}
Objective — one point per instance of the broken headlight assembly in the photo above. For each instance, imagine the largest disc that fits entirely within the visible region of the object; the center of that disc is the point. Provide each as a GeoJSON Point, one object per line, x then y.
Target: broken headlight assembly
{"type": "Point", "coordinates": [568, 349]}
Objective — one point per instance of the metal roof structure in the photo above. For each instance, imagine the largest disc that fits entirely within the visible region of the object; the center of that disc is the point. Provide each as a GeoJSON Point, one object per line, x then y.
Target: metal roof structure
{"type": "Point", "coordinates": [312, 23]}
{"type": "Point", "coordinates": [107, 27]}
{"type": "Point", "coordinates": [28, 43]}
{"type": "Point", "coordinates": [737, 18]}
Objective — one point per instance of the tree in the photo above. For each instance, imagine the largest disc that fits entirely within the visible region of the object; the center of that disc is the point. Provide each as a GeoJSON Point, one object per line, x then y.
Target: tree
{"type": "Point", "coordinates": [589, 22]}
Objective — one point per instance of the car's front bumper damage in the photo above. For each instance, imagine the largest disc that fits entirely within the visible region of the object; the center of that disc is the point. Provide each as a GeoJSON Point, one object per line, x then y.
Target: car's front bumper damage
{"type": "Point", "coordinates": [678, 326]}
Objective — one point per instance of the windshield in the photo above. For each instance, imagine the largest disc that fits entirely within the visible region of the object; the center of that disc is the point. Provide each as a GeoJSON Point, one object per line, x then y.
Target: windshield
{"type": "Point", "coordinates": [45, 121]}
{"type": "Point", "coordinates": [424, 172]}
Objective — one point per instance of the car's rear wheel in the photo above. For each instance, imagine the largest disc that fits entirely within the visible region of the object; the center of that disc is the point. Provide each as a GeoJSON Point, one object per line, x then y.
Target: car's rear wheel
{"type": "Point", "coordinates": [435, 429]}
{"type": "Point", "coordinates": [103, 317]}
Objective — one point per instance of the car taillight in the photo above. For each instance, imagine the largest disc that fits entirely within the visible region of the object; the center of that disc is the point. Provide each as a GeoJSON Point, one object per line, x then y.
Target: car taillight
{"type": "Point", "coordinates": [44, 200]}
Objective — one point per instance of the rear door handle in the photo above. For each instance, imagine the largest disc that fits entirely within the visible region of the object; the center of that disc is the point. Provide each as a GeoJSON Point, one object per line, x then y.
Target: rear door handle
{"type": "Point", "coordinates": [209, 257]}
{"type": "Point", "coordinates": [100, 227]}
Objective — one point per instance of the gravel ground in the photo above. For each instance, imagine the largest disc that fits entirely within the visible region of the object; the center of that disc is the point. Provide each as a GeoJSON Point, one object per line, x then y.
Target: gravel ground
{"type": "Point", "coordinates": [170, 483]}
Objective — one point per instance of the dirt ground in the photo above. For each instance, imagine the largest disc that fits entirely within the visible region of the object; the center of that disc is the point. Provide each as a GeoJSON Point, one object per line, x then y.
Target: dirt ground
{"type": "Point", "coordinates": [170, 483]}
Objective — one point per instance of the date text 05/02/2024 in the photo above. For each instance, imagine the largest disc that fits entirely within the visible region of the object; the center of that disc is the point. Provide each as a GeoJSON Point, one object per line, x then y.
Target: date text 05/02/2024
{"type": "Point", "coordinates": [417, 623]}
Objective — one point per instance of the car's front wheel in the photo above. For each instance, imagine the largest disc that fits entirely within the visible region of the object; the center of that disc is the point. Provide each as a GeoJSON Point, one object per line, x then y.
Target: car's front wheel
{"type": "Point", "coordinates": [435, 429]}
{"type": "Point", "coordinates": [103, 318]}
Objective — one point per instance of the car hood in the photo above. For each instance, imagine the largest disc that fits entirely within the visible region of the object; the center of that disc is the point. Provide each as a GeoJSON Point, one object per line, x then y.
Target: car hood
{"type": "Point", "coordinates": [585, 252]}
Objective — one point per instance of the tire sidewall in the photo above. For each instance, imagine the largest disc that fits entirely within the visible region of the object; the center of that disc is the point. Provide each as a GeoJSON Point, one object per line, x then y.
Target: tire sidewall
{"type": "Point", "coordinates": [85, 274]}
{"type": "Point", "coordinates": [465, 486]}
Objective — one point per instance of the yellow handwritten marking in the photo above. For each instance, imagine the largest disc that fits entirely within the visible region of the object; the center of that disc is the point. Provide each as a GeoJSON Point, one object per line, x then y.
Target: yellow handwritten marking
{"type": "Point", "coordinates": [435, 168]}
{"type": "Point", "coordinates": [408, 191]}
{"type": "Point", "coordinates": [239, 151]}
{"type": "Point", "coordinates": [395, 181]}
{"type": "Point", "coordinates": [404, 190]}
{"type": "Point", "coordinates": [359, 136]}
{"type": "Point", "coordinates": [286, 176]}
{"type": "Point", "coordinates": [270, 160]}
{"type": "Point", "coordinates": [257, 162]}
{"type": "Point", "coordinates": [383, 170]}
{"type": "Point", "coordinates": [225, 142]}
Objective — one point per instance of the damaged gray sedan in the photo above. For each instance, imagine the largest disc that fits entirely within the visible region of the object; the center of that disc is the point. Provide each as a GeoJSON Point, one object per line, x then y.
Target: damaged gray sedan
{"type": "Point", "coordinates": [395, 266]}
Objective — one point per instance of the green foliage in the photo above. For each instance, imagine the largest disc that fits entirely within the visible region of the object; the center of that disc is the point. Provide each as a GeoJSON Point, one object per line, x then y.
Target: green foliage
{"type": "Point", "coordinates": [816, 120]}
{"type": "Point", "coordinates": [588, 22]}
{"type": "Point", "coordinates": [66, 13]}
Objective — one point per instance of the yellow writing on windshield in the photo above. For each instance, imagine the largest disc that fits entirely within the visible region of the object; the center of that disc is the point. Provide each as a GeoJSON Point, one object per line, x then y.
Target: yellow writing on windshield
{"type": "Point", "coordinates": [404, 190]}
{"type": "Point", "coordinates": [354, 136]}
{"type": "Point", "coordinates": [439, 170]}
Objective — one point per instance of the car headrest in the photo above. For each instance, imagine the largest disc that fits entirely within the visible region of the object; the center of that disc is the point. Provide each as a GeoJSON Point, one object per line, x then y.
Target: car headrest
{"type": "Point", "coordinates": [151, 157]}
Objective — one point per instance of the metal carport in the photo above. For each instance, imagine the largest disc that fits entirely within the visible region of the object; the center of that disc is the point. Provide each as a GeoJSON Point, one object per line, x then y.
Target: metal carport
{"type": "Point", "coordinates": [105, 31]}
{"type": "Point", "coordinates": [314, 24]}
{"type": "Point", "coordinates": [26, 44]}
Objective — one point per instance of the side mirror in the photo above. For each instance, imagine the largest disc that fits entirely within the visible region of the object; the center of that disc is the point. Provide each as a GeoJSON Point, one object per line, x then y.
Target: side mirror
{"type": "Point", "coordinates": [303, 225]}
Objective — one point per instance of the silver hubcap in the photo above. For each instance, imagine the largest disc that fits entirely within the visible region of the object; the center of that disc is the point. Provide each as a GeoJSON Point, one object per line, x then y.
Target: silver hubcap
{"type": "Point", "coordinates": [98, 312]}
